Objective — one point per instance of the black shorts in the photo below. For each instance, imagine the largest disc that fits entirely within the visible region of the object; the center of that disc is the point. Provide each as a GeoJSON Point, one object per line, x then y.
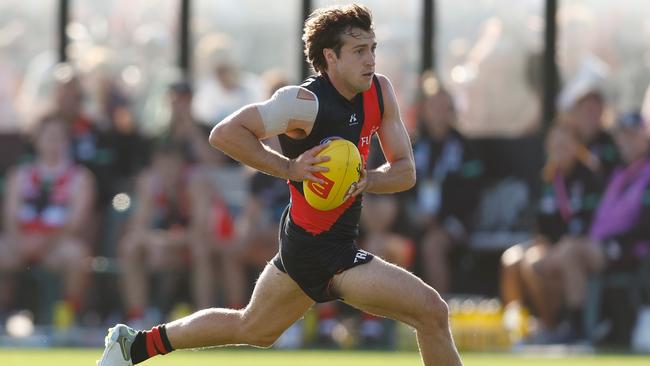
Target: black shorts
{"type": "Point", "coordinates": [313, 260]}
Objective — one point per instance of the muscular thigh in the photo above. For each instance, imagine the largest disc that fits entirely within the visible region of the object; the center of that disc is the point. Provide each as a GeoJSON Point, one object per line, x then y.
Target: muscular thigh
{"type": "Point", "coordinates": [276, 303]}
{"type": "Point", "coordinates": [384, 289]}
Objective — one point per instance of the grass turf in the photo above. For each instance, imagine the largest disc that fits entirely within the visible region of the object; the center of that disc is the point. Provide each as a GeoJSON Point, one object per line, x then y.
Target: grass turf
{"type": "Point", "coordinates": [244, 357]}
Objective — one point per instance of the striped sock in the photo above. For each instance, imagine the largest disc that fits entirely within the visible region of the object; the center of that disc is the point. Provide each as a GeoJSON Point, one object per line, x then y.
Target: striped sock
{"type": "Point", "coordinates": [150, 343]}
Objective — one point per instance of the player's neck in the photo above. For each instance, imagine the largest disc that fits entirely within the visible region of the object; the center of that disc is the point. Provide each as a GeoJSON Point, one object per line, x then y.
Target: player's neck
{"type": "Point", "coordinates": [341, 86]}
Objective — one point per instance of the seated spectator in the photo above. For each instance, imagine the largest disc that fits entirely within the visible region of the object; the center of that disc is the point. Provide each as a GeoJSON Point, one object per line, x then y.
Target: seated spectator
{"type": "Point", "coordinates": [449, 182]}
{"type": "Point", "coordinates": [106, 142]}
{"type": "Point", "coordinates": [378, 222]}
{"type": "Point", "coordinates": [218, 189]}
{"type": "Point", "coordinates": [46, 209]}
{"type": "Point", "coordinates": [224, 90]}
{"type": "Point", "coordinates": [121, 153]}
{"type": "Point", "coordinates": [569, 194]}
{"type": "Point", "coordinates": [184, 129]}
{"type": "Point", "coordinates": [157, 239]}
{"type": "Point", "coordinates": [257, 229]}
{"type": "Point", "coordinates": [257, 225]}
{"type": "Point", "coordinates": [86, 134]}
{"type": "Point", "coordinates": [214, 251]}
{"type": "Point", "coordinates": [379, 236]}
{"type": "Point", "coordinates": [122, 146]}
{"type": "Point", "coordinates": [619, 235]}
{"type": "Point", "coordinates": [581, 105]}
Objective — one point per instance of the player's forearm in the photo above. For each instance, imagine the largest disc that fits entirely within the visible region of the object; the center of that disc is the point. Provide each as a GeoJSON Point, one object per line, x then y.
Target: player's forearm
{"type": "Point", "coordinates": [242, 145]}
{"type": "Point", "coordinates": [394, 177]}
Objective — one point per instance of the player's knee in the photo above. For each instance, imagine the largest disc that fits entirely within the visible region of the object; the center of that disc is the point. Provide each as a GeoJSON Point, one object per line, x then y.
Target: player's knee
{"type": "Point", "coordinates": [434, 313]}
{"type": "Point", "coordinates": [255, 333]}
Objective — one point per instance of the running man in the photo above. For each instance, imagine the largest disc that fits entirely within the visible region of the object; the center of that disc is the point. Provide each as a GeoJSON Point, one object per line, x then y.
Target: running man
{"type": "Point", "coordinates": [318, 259]}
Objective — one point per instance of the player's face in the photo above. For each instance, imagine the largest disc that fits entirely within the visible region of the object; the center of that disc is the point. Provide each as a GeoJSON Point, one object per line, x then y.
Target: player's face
{"type": "Point", "coordinates": [355, 65]}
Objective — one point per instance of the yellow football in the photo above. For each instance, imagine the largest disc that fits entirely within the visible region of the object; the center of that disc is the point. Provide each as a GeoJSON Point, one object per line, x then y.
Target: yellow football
{"type": "Point", "coordinates": [344, 171]}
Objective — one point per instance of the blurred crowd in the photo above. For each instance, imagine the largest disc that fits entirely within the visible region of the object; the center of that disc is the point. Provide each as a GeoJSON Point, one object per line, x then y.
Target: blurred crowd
{"type": "Point", "coordinates": [116, 209]}
{"type": "Point", "coordinates": [178, 226]}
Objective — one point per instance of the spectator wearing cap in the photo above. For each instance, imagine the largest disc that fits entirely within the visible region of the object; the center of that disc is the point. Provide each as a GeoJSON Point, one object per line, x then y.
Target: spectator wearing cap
{"type": "Point", "coordinates": [581, 105]}
{"type": "Point", "coordinates": [619, 234]}
{"type": "Point", "coordinates": [570, 191]}
{"type": "Point", "coordinates": [184, 129]}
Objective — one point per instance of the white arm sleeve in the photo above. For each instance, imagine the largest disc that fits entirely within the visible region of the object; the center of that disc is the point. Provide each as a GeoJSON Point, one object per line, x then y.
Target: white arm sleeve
{"type": "Point", "coordinates": [286, 105]}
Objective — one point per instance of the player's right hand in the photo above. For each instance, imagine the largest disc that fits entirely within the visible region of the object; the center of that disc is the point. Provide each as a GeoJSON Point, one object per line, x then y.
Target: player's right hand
{"type": "Point", "coordinates": [304, 166]}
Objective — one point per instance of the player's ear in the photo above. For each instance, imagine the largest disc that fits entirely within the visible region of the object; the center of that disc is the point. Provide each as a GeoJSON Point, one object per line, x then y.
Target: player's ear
{"type": "Point", "coordinates": [330, 55]}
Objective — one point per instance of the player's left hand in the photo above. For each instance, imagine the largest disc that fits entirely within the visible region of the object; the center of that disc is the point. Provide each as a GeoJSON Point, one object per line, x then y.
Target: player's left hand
{"type": "Point", "coordinates": [359, 186]}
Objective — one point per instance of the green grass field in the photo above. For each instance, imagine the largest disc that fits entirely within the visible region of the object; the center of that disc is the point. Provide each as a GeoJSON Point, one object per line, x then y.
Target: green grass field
{"type": "Point", "coordinates": [229, 357]}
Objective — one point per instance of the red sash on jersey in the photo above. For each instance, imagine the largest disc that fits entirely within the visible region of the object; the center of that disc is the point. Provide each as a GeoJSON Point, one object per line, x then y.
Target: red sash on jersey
{"type": "Point", "coordinates": [315, 221]}
{"type": "Point", "coordinates": [371, 121]}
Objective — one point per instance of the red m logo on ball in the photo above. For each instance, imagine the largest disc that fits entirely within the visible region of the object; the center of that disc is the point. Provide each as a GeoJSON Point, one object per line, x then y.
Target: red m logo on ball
{"type": "Point", "coordinates": [321, 190]}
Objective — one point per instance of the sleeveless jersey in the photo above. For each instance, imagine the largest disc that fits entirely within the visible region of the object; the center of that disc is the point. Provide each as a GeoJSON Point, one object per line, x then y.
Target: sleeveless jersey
{"type": "Point", "coordinates": [355, 120]}
{"type": "Point", "coordinates": [45, 200]}
{"type": "Point", "coordinates": [174, 212]}
{"type": "Point", "coordinates": [171, 210]}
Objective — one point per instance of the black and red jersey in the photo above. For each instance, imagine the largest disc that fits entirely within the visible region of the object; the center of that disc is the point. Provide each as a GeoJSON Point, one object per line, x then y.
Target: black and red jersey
{"type": "Point", "coordinates": [46, 199]}
{"type": "Point", "coordinates": [355, 120]}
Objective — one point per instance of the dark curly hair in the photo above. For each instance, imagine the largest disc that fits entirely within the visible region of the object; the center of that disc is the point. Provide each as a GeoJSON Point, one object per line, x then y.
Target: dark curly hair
{"type": "Point", "coordinates": [324, 27]}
